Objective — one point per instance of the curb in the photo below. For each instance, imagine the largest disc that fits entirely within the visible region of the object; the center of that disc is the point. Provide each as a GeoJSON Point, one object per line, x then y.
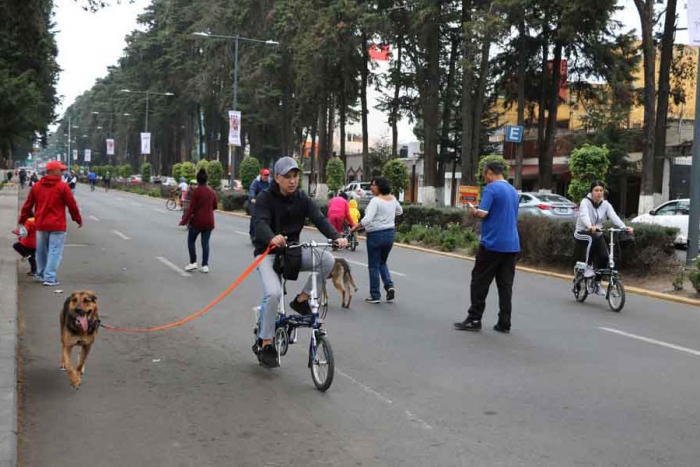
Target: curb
{"type": "Point", "coordinates": [539, 272]}
{"type": "Point", "coordinates": [8, 329]}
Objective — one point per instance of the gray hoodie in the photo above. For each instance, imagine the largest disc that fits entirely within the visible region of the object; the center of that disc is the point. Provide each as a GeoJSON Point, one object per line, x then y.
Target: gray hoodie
{"type": "Point", "coordinates": [589, 214]}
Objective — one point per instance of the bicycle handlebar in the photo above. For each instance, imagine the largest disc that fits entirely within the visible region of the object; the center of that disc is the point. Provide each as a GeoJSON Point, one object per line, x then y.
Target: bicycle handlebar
{"type": "Point", "coordinates": [313, 244]}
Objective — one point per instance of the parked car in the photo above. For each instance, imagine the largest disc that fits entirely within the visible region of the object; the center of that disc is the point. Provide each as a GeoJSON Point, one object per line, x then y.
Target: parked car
{"type": "Point", "coordinates": [547, 205]}
{"type": "Point", "coordinates": [136, 179]}
{"type": "Point", "coordinates": [169, 181]}
{"type": "Point", "coordinates": [675, 214]}
{"type": "Point", "coordinates": [359, 191]}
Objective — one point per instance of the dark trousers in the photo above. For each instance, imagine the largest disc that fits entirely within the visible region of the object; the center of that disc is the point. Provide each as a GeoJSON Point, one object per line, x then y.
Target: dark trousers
{"type": "Point", "coordinates": [490, 264]}
{"type": "Point", "coordinates": [591, 248]}
{"type": "Point", "coordinates": [251, 229]}
{"type": "Point", "coordinates": [192, 238]}
{"type": "Point", "coordinates": [24, 251]}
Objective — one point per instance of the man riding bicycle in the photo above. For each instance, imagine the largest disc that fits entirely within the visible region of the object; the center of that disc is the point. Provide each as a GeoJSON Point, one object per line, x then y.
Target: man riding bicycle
{"type": "Point", "coordinates": [594, 210]}
{"type": "Point", "coordinates": [280, 215]}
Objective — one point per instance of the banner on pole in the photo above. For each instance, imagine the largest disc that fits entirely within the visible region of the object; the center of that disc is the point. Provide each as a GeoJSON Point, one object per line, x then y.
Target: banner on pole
{"type": "Point", "coordinates": [75, 154]}
{"type": "Point", "coordinates": [110, 147]}
{"type": "Point", "coordinates": [145, 143]}
{"type": "Point", "coordinates": [694, 22]}
{"type": "Point", "coordinates": [234, 132]}
{"type": "Point", "coordinates": [88, 155]}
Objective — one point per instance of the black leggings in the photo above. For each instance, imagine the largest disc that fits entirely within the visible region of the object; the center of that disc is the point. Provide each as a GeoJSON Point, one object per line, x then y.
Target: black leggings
{"type": "Point", "coordinates": [591, 248]}
{"type": "Point", "coordinates": [25, 251]}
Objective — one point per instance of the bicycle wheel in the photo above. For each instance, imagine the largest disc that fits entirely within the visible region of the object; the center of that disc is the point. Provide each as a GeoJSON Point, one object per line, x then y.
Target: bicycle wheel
{"type": "Point", "coordinates": [323, 302]}
{"type": "Point", "coordinates": [282, 340]}
{"type": "Point", "coordinates": [171, 204]}
{"type": "Point", "coordinates": [321, 363]}
{"type": "Point", "coordinates": [353, 242]}
{"type": "Point", "coordinates": [580, 287]}
{"type": "Point", "coordinates": [616, 295]}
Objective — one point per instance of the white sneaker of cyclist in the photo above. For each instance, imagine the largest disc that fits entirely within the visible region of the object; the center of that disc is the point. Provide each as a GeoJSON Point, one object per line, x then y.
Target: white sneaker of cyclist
{"type": "Point", "coordinates": [599, 289]}
{"type": "Point", "coordinates": [589, 272]}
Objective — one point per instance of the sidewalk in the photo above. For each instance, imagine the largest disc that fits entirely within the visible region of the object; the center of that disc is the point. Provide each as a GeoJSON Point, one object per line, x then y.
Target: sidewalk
{"type": "Point", "coordinates": [8, 328]}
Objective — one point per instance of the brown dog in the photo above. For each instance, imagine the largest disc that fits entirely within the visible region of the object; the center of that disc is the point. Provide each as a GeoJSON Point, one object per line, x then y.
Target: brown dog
{"type": "Point", "coordinates": [343, 281]}
{"type": "Point", "coordinates": [79, 325]}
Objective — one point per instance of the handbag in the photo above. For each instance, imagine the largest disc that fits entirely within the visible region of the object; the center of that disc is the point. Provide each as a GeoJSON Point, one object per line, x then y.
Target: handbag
{"type": "Point", "coordinates": [287, 263]}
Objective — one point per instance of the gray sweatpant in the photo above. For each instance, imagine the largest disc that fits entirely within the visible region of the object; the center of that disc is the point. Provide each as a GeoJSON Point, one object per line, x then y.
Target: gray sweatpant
{"type": "Point", "coordinates": [272, 287]}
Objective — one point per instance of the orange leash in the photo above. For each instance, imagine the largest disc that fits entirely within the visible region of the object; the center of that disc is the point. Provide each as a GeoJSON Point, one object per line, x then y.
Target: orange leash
{"type": "Point", "coordinates": [240, 279]}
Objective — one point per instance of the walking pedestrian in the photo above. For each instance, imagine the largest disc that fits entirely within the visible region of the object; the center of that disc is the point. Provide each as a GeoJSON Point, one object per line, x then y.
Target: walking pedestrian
{"type": "Point", "coordinates": [33, 179]}
{"type": "Point", "coordinates": [497, 250]}
{"type": "Point", "coordinates": [26, 246]}
{"type": "Point", "coordinates": [22, 178]}
{"type": "Point", "coordinates": [200, 219]}
{"type": "Point", "coordinates": [92, 178]}
{"type": "Point", "coordinates": [380, 224]}
{"type": "Point", "coordinates": [339, 212]}
{"type": "Point", "coordinates": [49, 198]}
{"type": "Point", "coordinates": [107, 180]}
{"type": "Point", "coordinates": [261, 183]}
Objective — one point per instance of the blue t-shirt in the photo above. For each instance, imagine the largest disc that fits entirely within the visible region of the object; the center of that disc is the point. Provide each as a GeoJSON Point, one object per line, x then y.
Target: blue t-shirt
{"type": "Point", "coordinates": [499, 230]}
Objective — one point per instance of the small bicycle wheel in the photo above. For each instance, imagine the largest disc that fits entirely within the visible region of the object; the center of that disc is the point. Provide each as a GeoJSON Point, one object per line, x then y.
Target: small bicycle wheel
{"type": "Point", "coordinates": [580, 288]}
{"type": "Point", "coordinates": [323, 302]}
{"type": "Point", "coordinates": [353, 242]}
{"type": "Point", "coordinates": [616, 295]}
{"type": "Point", "coordinates": [321, 363]}
{"type": "Point", "coordinates": [171, 204]}
{"type": "Point", "coordinates": [282, 340]}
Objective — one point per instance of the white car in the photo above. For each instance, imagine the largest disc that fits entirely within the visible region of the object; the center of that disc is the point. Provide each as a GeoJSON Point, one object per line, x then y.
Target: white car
{"type": "Point", "coordinates": [359, 191]}
{"type": "Point", "coordinates": [674, 213]}
{"type": "Point", "coordinates": [169, 181]}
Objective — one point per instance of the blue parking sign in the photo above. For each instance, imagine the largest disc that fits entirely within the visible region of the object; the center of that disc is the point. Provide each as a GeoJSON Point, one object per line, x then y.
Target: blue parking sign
{"type": "Point", "coordinates": [514, 134]}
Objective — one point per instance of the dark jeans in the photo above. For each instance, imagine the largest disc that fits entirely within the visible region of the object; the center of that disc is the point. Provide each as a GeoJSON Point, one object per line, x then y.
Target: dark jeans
{"type": "Point", "coordinates": [379, 245]}
{"type": "Point", "coordinates": [192, 238]}
{"type": "Point", "coordinates": [591, 248]}
{"type": "Point", "coordinates": [24, 251]}
{"type": "Point", "coordinates": [490, 264]}
{"type": "Point", "coordinates": [251, 229]}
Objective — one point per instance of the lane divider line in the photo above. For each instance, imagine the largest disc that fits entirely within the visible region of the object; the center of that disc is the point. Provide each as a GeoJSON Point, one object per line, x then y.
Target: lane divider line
{"type": "Point", "coordinates": [400, 274]}
{"type": "Point", "coordinates": [119, 234]}
{"type": "Point", "coordinates": [652, 341]}
{"type": "Point", "coordinates": [174, 267]}
{"type": "Point", "coordinates": [239, 232]}
{"type": "Point", "coordinates": [94, 218]}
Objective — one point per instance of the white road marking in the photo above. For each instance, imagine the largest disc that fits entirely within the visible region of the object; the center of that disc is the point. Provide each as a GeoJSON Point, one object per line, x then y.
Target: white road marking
{"type": "Point", "coordinates": [135, 204]}
{"type": "Point", "coordinates": [241, 232]}
{"type": "Point", "coordinates": [400, 274]}
{"type": "Point", "coordinates": [652, 341]}
{"type": "Point", "coordinates": [157, 210]}
{"type": "Point", "coordinates": [174, 267]}
{"type": "Point", "coordinates": [74, 245]}
{"type": "Point", "coordinates": [94, 218]}
{"type": "Point", "coordinates": [118, 198]}
{"type": "Point", "coordinates": [412, 417]}
{"type": "Point", "coordinates": [119, 234]}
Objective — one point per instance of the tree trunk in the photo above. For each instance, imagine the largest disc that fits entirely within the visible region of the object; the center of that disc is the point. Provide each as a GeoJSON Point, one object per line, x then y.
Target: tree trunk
{"type": "Point", "coordinates": [664, 90]}
{"type": "Point", "coordinates": [446, 120]}
{"type": "Point", "coordinates": [541, 149]}
{"type": "Point", "coordinates": [646, 15]}
{"type": "Point", "coordinates": [546, 162]}
{"type": "Point", "coordinates": [394, 116]}
{"type": "Point", "coordinates": [342, 109]}
{"type": "Point", "coordinates": [323, 140]}
{"type": "Point", "coordinates": [364, 76]}
{"type": "Point", "coordinates": [479, 102]}
{"type": "Point", "coordinates": [468, 176]}
{"type": "Point", "coordinates": [521, 106]}
{"type": "Point", "coordinates": [331, 127]}
{"type": "Point", "coordinates": [431, 108]}
{"type": "Point", "coordinates": [312, 156]}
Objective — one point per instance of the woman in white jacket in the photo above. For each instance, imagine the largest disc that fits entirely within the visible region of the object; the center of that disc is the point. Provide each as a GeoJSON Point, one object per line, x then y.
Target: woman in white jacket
{"type": "Point", "coordinates": [593, 211]}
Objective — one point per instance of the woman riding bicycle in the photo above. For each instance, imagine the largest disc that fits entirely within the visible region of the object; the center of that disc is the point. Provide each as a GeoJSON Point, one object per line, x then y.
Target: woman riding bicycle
{"type": "Point", "coordinates": [594, 210]}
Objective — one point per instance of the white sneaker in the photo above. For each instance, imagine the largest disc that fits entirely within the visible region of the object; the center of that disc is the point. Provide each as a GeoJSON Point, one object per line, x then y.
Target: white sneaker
{"type": "Point", "coordinates": [589, 272]}
{"type": "Point", "coordinates": [191, 267]}
{"type": "Point", "coordinates": [599, 290]}
{"type": "Point", "coordinates": [204, 269]}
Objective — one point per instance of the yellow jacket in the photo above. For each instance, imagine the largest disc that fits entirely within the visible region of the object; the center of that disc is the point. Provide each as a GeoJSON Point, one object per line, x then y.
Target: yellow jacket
{"type": "Point", "coordinates": [354, 212]}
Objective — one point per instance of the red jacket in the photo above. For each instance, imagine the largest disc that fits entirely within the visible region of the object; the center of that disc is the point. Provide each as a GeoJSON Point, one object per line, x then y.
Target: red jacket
{"type": "Point", "coordinates": [339, 207]}
{"type": "Point", "coordinates": [200, 214]}
{"type": "Point", "coordinates": [30, 240]}
{"type": "Point", "coordinates": [49, 198]}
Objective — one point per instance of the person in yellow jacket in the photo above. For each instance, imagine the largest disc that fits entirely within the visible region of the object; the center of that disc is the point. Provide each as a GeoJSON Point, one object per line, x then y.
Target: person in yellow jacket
{"type": "Point", "coordinates": [354, 212]}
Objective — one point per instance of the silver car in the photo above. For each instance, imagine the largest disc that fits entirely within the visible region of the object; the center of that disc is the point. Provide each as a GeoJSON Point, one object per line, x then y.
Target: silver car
{"type": "Point", "coordinates": [547, 205]}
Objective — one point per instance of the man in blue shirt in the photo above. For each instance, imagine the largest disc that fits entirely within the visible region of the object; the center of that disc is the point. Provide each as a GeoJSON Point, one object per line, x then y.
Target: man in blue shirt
{"type": "Point", "coordinates": [497, 250]}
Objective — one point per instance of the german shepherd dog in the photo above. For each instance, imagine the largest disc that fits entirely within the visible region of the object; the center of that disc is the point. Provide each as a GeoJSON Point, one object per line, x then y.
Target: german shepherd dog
{"type": "Point", "coordinates": [343, 281]}
{"type": "Point", "coordinates": [79, 325]}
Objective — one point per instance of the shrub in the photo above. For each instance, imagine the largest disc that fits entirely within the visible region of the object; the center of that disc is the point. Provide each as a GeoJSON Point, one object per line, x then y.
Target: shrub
{"type": "Point", "coordinates": [335, 174]}
{"type": "Point", "coordinates": [432, 216]}
{"type": "Point", "coordinates": [99, 171]}
{"type": "Point", "coordinates": [694, 276]}
{"type": "Point", "coordinates": [396, 172]}
{"type": "Point", "coordinates": [188, 171]}
{"type": "Point", "coordinates": [125, 171]}
{"type": "Point", "coordinates": [146, 172]}
{"type": "Point", "coordinates": [484, 160]}
{"type": "Point", "coordinates": [233, 201]}
{"type": "Point", "coordinates": [587, 164]}
{"type": "Point", "coordinates": [110, 169]}
{"type": "Point", "coordinates": [203, 164]}
{"type": "Point", "coordinates": [154, 193]}
{"type": "Point", "coordinates": [177, 172]}
{"type": "Point", "coordinates": [215, 171]}
{"type": "Point", "coordinates": [250, 168]}
{"type": "Point", "coordinates": [449, 238]}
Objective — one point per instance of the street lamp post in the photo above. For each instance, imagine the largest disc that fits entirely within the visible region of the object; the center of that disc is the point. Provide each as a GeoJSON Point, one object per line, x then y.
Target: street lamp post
{"type": "Point", "coordinates": [148, 95]}
{"type": "Point", "coordinates": [235, 40]}
{"type": "Point", "coordinates": [111, 124]}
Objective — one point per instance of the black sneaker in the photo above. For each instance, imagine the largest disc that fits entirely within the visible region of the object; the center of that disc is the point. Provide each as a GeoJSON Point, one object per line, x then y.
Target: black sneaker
{"type": "Point", "coordinates": [303, 308]}
{"type": "Point", "coordinates": [268, 356]}
{"type": "Point", "coordinates": [468, 325]}
{"type": "Point", "coordinates": [390, 293]}
{"type": "Point", "coordinates": [501, 328]}
{"type": "Point", "coordinates": [371, 300]}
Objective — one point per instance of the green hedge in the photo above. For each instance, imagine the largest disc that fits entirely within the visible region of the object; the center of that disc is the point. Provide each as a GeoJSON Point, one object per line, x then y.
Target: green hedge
{"type": "Point", "coordinates": [433, 216]}
{"type": "Point", "coordinates": [449, 238]}
{"type": "Point", "coordinates": [233, 201]}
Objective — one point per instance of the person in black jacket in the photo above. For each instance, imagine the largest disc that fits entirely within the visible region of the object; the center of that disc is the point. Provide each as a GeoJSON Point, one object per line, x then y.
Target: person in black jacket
{"type": "Point", "coordinates": [280, 214]}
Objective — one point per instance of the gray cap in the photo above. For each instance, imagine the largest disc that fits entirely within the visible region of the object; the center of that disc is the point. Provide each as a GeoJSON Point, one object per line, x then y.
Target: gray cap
{"type": "Point", "coordinates": [284, 165]}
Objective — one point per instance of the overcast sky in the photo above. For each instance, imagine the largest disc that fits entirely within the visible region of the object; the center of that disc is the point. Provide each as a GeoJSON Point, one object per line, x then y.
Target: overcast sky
{"type": "Point", "coordinates": [90, 42]}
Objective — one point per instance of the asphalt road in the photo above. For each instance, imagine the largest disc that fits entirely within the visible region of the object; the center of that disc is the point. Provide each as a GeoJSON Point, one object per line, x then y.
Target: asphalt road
{"type": "Point", "coordinates": [572, 385]}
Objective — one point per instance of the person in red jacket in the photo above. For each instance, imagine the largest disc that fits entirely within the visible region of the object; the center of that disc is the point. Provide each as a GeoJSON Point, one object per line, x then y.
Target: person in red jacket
{"type": "Point", "coordinates": [200, 219]}
{"type": "Point", "coordinates": [49, 198]}
{"type": "Point", "coordinates": [26, 246]}
{"type": "Point", "coordinates": [339, 212]}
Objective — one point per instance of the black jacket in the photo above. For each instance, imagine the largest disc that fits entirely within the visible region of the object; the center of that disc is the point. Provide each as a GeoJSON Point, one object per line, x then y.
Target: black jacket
{"type": "Point", "coordinates": [277, 214]}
